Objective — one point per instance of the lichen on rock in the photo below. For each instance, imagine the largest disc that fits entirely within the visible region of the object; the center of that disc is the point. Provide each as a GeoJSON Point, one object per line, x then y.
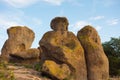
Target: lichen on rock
{"type": "Point", "coordinates": [19, 40]}
{"type": "Point", "coordinates": [96, 60]}
{"type": "Point", "coordinates": [63, 47]}
{"type": "Point", "coordinates": [62, 71]}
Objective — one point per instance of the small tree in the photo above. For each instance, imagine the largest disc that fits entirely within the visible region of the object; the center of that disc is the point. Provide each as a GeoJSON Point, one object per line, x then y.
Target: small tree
{"type": "Point", "coordinates": [112, 50]}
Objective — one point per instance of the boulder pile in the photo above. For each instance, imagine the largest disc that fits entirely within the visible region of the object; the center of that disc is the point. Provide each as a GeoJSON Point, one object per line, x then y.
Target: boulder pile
{"type": "Point", "coordinates": [61, 54]}
{"type": "Point", "coordinates": [18, 44]}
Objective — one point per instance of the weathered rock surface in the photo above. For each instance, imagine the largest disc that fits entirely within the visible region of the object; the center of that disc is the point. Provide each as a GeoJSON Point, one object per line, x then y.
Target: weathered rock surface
{"type": "Point", "coordinates": [96, 60]}
{"type": "Point", "coordinates": [59, 24]}
{"type": "Point", "coordinates": [19, 40]}
{"type": "Point", "coordinates": [28, 54]}
{"type": "Point", "coordinates": [60, 53]}
{"type": "Point", "coordinates": [61, 71]}
{"type": "Point", "coordinates": [22, 73]}
{"type": "Point", "coordinates": [63, 47]}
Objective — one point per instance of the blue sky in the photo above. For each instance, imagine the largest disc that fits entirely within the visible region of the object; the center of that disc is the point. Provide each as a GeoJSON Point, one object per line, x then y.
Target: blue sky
{"type": "Point", "coordinates": [104, 15]}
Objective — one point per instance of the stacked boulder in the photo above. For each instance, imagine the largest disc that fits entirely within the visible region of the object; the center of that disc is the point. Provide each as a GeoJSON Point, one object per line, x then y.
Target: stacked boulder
{"type": "Point", "coordinates": [96, 60]}
{"type": "Point", "coordinates": [18, 44]}
{"type": "Point", "coordinates": [62, 55]}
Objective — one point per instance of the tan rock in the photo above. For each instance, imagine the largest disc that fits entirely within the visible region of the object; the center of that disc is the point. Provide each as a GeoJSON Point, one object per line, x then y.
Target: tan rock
{"type": "Point", "coordinates": [59, 23]}
{"type": "Point", "coordinates": [28, 54]}
{"type": "Point", "coordinates": [58, 71]}
{"type": "Point", "coordinates": [63, 47]}
{"type": "Point", "coordinates": [19, 39]}
{"type": "Point", "coordinates": [96, 60]}
{"type": "Point", "coordinates": [22, 73]}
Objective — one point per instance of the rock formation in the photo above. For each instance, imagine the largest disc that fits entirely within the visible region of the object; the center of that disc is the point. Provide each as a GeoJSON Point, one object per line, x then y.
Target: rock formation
{"type": "Point", "coordinates": [96, 60]}
{"type": "Point", "coordinates": [63, 48]}
{"type": "Point", "coordinates": [63, 56]}
{"type": "Point", "coordinates": [18, 43]}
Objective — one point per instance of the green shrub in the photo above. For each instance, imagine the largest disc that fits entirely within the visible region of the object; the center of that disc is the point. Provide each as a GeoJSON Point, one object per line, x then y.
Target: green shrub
{"type": "Point", "coordinates": [37, 67]}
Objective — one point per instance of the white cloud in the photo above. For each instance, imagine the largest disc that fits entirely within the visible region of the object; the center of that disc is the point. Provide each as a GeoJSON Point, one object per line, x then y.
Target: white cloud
{"type": "Point", "coordinates": [97, 17]}
{"type": "Point", "coordinates": [18, 18]}
{"type": "Point", "coordinates": [76, 2]}
{"type": "Point", "coordinates": [98, 28]}
{"type": "Point", "coordinates": [78, 25]}
{"type": "Point", "coordinates": [36, 21]}
{"type": "Point", "coordinates": [54, 2]}
{"type": "Point", "coordinates": [20, 3]}
{"type": "Point", "coordinates": [26, 3]}
{"type": "Point", "coordinates": [7, 21]}
{"type": "Point", "coordinates": [81, 24]}
{"type": "Point", "coordinates": [113, 22]}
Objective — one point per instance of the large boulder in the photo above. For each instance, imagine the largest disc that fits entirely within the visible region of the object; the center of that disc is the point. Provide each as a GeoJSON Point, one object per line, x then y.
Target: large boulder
{"type": "Point", "coordinates": [96, 60]}
{"type": "Point", "coordinates": [51, 68]}
{"type": "Point", "coordinates": [19, 40]}
{"type": "Point", "coordinates": [63, 47]}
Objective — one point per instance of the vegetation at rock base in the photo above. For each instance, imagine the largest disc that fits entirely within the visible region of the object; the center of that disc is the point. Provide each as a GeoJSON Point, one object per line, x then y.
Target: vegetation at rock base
{"type": "Point", "coordinates": [5, 74]}
{"type": "Point", "coordinates": [112, 50]}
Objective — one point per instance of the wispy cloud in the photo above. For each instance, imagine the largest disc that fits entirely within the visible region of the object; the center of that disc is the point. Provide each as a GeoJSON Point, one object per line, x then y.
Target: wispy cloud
{"type": "Point", "coordinates": [97, 17]}
{"type": "Point", "coordinates": [20, 3]}
{"type": "Point", "coordinates": [59, 2]}
{"type": "Point", "coordinates": [108, 3]}
{"type": "Point", "coordinates": [80, 24]}
{"type": "Point", "coordinates": [98, 28]}
{"type": "Point", "coordinates": [26, 3]}
{"type": "Point", "coordinates": [54, 2]}
{"type": "Point", "coordinates": [7, 21]}
{"type": "Point", "coordinates": [36, 21]}
{"type": "Point", "coordinates": [113, 22]}
{"type": "Point", "coordinates": [18, 19]}
{"type": "Point", "coordinates": [75, 2]}
{"type": "Point", "coordinates": [105, 3]}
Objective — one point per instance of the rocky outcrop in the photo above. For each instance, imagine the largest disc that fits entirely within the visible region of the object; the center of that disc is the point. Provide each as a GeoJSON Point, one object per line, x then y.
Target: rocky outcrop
{"type": "Point", "coordinates": [62, 55]}
{"type": "Point", "coordinates": [19, 40]}
{"type": "Point", "coordinates": [96, 60]}
{"type": "Point", "coordinates": [63, 47]}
